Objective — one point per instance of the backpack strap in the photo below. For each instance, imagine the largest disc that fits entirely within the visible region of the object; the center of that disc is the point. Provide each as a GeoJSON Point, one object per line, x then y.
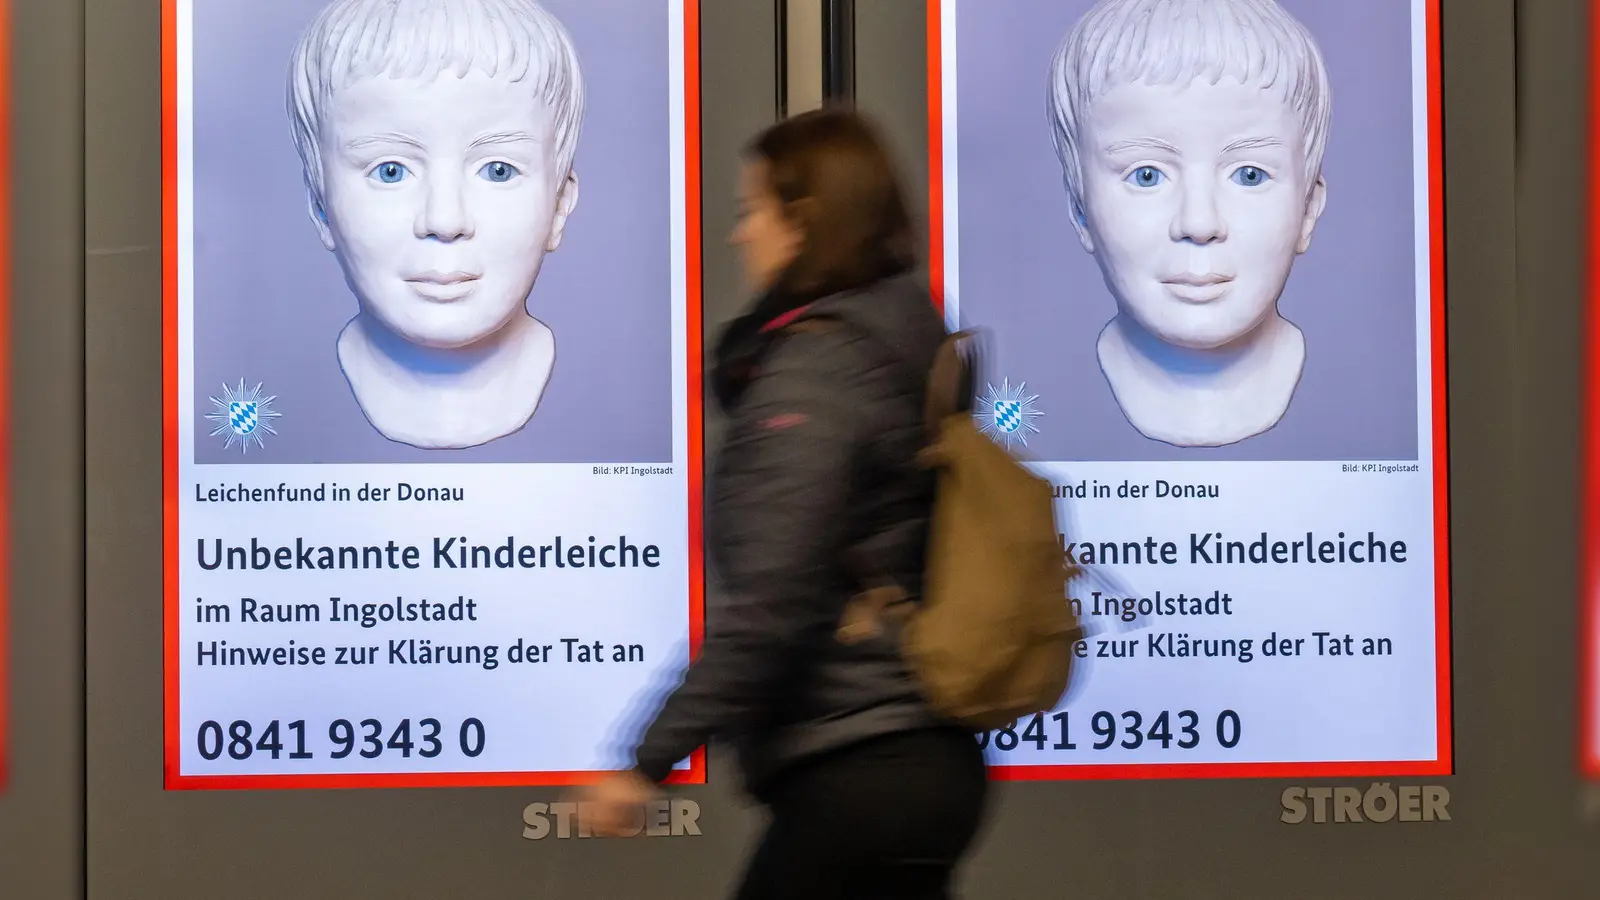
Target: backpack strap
{"type": "Point", "coordinates": [952, 383]}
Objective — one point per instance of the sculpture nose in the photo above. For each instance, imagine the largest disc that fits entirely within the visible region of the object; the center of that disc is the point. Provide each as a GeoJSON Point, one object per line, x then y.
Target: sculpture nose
{"type": "Point", "coordinates": [444, 215]}
{"type": "Point", "coordinates": [1198, 219]}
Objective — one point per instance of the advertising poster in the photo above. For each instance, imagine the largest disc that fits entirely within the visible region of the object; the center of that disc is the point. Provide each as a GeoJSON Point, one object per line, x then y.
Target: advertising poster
{"type": "Point", "coordinates": [1204, 238]}
{"type": "Point", "coordinates": [432, 386]}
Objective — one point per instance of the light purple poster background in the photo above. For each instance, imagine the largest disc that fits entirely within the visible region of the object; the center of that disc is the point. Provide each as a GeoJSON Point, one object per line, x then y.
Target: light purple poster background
{"type": "Point", "coordinates": [270, 301]}
{"type": "Point", "coordinates": [1025, 277]}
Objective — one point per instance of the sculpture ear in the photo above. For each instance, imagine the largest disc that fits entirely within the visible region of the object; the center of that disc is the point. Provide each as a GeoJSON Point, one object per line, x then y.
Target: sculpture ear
{"type": "Point", "coordinates": [566, 202]}
{"type": "Point", "coordinates": [1314, 207]}
{"type": "Point", "coordinates": [1080, 224]}
{"type": "Point", "coordinates": [319, 217]}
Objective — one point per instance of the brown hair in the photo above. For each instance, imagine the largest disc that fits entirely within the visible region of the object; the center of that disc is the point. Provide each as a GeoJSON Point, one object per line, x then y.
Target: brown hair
{"type": "Point", "coordinates": [834, 178]}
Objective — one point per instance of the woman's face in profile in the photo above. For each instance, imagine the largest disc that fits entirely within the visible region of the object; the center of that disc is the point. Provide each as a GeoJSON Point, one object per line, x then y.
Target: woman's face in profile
{"type": "Point", "coordinates": [767, 241]}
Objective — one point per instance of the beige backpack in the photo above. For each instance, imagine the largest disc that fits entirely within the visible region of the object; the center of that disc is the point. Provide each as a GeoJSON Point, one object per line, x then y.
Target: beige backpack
{"type": "Point", "coordinates": [991, 640]}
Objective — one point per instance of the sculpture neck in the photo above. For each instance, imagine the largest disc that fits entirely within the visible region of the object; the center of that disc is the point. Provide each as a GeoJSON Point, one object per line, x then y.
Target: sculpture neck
{"type": "Point", "coordinates": [1202, 397]}
{"type": "Point", "coordinates": [438, 398]}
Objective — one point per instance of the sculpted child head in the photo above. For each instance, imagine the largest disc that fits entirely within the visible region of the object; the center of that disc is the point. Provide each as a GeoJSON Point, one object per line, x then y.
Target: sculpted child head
{"type": "Point", "coordinates": [437, 140]}
{"type": "Point", "coordinates": [1191, 136]}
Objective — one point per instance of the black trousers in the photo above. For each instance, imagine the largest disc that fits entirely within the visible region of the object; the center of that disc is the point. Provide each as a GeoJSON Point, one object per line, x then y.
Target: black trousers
{"type": "Point", "coordinates": [887, 819]}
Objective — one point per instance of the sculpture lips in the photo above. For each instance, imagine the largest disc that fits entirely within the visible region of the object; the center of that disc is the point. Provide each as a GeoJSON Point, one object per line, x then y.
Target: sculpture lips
{"type": "Point", "coordinates": [434, 277]}
{"type": "Point", "coordinates": [442, 286]}
{"type": "Point", "coordinates": [1197, 287]}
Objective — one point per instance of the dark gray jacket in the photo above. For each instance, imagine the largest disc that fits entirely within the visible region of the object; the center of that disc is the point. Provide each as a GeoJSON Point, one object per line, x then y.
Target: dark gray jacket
{"type": "Point", "coordinates": [818, 468]}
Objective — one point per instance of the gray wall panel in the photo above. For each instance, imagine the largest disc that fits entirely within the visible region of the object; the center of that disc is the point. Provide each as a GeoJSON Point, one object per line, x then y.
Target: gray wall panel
{"type": "Point", "coordinates": [1550, 133]}
{"type": "Point", "coordinates": [41, 811]}
{"type": "Point", "coordinates": [891, 58]}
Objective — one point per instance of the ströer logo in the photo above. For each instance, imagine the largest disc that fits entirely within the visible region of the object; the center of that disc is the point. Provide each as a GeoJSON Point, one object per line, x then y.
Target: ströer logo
{"type": "Point", "coordinates": [1380, 803]}
{"type": "Point", "coordinates": [662, 818]}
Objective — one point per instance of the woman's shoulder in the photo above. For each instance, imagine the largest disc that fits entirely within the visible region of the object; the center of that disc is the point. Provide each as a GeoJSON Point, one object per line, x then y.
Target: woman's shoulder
{"type": "Point", "coordinates": [817, 347]}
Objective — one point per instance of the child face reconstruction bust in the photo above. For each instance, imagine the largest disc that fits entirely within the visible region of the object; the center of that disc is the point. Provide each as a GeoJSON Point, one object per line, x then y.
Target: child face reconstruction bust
{"type": "Point", "coordinates": [439, 172]}
{"type": "Point", "coordinates": [1191, 134]}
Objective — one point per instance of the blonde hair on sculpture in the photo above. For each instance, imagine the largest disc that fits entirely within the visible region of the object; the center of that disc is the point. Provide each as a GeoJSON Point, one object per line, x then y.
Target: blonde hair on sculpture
{"type": "Point", "coordinates": [353, 40]}
{"type": "Point", "coordinates": [1161, 42]}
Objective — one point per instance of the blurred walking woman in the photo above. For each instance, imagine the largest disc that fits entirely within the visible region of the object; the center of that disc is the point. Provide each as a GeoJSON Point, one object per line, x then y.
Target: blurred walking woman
{"type": "Point", "coordinates": [815, 491]}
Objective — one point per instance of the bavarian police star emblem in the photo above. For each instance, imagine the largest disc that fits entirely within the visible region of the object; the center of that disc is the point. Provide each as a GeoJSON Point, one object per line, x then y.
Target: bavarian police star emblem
{"type": "Point", "coordinates": [1007, 414]}
{"type": "Point", "coordinates": [242, 416]}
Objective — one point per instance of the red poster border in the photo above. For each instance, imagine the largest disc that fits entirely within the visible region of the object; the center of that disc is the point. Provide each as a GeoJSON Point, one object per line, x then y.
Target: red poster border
{"type": "Point", "coordinates": [1589, 534]}
{"type": "Point", "coordinates": [5, 393]}
{"type": "Point", "coordinates": [174, 780]}
{"type": "Point", "coordinates": [1443, 763]}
